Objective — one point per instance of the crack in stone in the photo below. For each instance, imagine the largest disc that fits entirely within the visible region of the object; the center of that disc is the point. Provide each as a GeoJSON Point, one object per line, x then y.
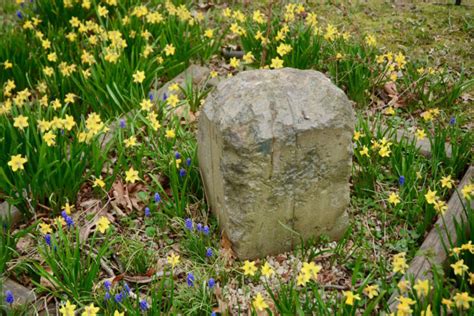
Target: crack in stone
{"type": "Point", "coordinates": [293, 202]}
{"type": "Point", "coordinates": [274, 114]}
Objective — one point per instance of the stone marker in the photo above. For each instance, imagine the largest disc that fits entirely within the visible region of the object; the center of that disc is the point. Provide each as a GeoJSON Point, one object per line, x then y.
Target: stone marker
{"type": "Point", "coordinates": [21, 294]}
{"type": "Point", "coordinates": [275, 152]}
{"type": "Point", "coordinates": [10, 213]}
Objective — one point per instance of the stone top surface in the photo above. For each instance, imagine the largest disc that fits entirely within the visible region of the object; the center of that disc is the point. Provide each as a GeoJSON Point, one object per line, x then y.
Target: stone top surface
{"type": "Point", "coordinates": [265, 104]}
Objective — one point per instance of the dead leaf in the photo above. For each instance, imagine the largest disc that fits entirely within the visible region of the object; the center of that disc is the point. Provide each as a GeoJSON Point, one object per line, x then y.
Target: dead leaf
{"type": "Point", "coordinates": [117, 209]}
{"type": "Point", "coordinates": [222, 306]}
{"type": "Point", "coordinates": [89, 204]}
{"type": "Point", "coordinates": [391, 89]}
{"type": "Point", "coordinates": [120, 193]}
{"type": "Point", "coordinates": [45, 282]}
{"type": "Point", "coordinates": [24, 244]}
{"type": "Point", "coordinates": [226, 250]}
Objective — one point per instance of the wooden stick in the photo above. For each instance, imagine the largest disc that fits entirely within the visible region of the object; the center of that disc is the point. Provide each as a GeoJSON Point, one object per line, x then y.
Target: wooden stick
{"type": "Point", "coordinates": [432, 250]}
{"type": "Point", "coordinates": [269, 27]}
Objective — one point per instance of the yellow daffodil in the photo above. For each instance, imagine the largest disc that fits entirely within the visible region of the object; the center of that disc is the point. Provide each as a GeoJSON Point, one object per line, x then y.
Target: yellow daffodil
{"type": "Point", "coordinates": [403, 307]}
{"type": "Point", "coordinates": [431, 197]}
{"type": "Point", "coordinates": [447, 182]}
{"type": "Point", "coordinates": [311, 269]}
{"type": "Point", "coordinates": [234, 62]}
{"type": "Point", "coordinates": [90, 310]}
{"type": "Point", "coordinates": [20, 122]}
{"type": "Point", "coordinates": [399, 263]}
{"type": "Point", "coordinates": [276, 63]}
{"type": "Point", "coordinates": [45, 228]}
{"type": "Point", "coordinates": [174, 87]}
{"type": "Point", "coordinates": [371, 291]}
{"type": "Point", "coordinates": [117, 313]}
{"type": "Point", "coordinates": [102, 11]}
{"type": "Point", "coordinates": [403, 286]}
{"type": "Point", "coordinates": [69, 98]}
{"type": "Point", "coordinates": [98, 182]}
{"type": "Point", "coordinates": [249, 268]}
{"type": "Point", "coordinates": [284, 49]}
{"type": "Point", "coordinates": [462, 300]}
{"type": "Point", "coordinates": [131, 175]}
{"type": "Point", "coordinates": [138, 76]}
{"type": "Point", "coordinates": [68, 122]}
{"type": "Point", "coordinates": [259, 303]}
{"type": "Point", "coordinates": [7, 64]}
{"type": "Point", "coordinates": [103, 224]}
{"type": "Point", "coordinates": [56, 104]}
{"type": "Point", "coordinates": [302, 279]}
{"type": "Point", "coordinates": [448, 303]}
{"type": "Point", "coordinates": [468, 191]}
{"type": "Point", "coordinates": [50, 138]}
{"type": "Point", "coordinates": [420, 134]}
{"type": "Point", "coordinates": [370, 40]}
{"type": "Point", "coordinates": [459, 267]}
{"type": "Point", "coordinates": [209, 33]}
{"type": "Point", "coordinates": [170, 133]}
{"type": "Point", "coordinates": [440, 207]}
{"type": "Point", "coordinates": [172, 100]}
{"type": "Point", "coordinates": [351, 297]}
{"type": "Point", "coordinates": [67, 309]}
{"type": "Point", "coordinates": [146, 105]}
{"type": "Point", "coordinates": [422, 287]}
{"type": "Point", "coordinates": [16, 162]}
{"type": "Point", "coordinates": [258, 17]}
{"type": "Point", "coordinates": [68, 208]}
{"type": "Point", "coordinates": [331, 33]}
{"type": "Point", "coordinates": [406, 300]}
{"type": "Point", "coordinates": [389, 111]}
{"type": "Point", "coordinates": [248, 58]}
{"type": "Point", "coordinates": [130, 142]}
{"type": "Point", "coordinates": [267, 270]}
{"type": "Point", "coordinates": [364, 151]}
{"type": "Point", "coordinates": [173, 260]}
{"type": "Point", "coordinates": [86, 4]}
{"type": "Point", "coordinates": [394, 198]}
{"type": "Point", "coordinates": [169, 50]}
{"type": "Point", "coordinates": [59, 221]}
{"type": "Point", "coordinates": [357, 135]}
{"type": "Point", "coordinates": [384, 151]}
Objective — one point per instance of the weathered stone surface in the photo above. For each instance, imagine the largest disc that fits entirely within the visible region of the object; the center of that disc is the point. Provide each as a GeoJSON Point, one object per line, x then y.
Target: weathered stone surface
{"type": "Point", "coordinates": [197, 74]}
{"type": "Point", "coordinates": [275, 151]}
{"type": "Point", "coordinates": [10, 212]}
{"type": "Point", "coordinates": [21, 294]}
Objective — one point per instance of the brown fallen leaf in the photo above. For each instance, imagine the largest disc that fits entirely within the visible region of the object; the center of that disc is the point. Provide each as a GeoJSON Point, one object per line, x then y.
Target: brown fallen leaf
{"type": "Point", "coordinates": [391, 89]}
{"type": "Point", "coordinates": [24, 244]}
{"type": "Point", "coordinates": [226, 249]}
{"type": "Point", "coordinates": [117, 209]}
{"type": "Point", "coordinates": [45, 282]}
{"type": "Point", "coordinates": [121, 195]}
{"type": "Point", "coordinates": [222, 306]}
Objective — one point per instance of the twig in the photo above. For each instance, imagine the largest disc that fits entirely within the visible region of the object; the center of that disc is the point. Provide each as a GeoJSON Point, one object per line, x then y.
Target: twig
{"type": "Point", "coordinates": [103, 264]}
{"type": "Point", "coordinates": [45, 207]}
{"type": "Point", "coordinates": [335, 287]}
{"type": "Point", "coordinates": [267, 34]}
